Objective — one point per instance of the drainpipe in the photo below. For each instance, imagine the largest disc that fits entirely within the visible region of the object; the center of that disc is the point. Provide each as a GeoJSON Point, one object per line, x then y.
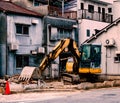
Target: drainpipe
{"type": "Point", "coordinates": [106, 63]}
{"type": "Point", "coordinates": [48, 36]}
{"type": "Point", "coordinates": [48, 44]}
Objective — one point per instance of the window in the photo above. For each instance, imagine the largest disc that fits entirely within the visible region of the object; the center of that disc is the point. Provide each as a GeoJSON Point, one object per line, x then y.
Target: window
{"type": "Point", "coordinates": [82, 6]}
{"type": "Point", "coordinates": [64, 33]}
{"type": "Point", "coordinates": [53, 33]}
{"type": "Point", "coordinates": [88, 33]}
{"type": "Point", "coordinates": [85, 52]}
{"type": "Point", "coordinates": [109, 10]}
{"type": "Point", "coordinates": [99, 9]}
{"type": "Point", "coordinates": [117, 59]}
{"type": "Point", "coordinates": [36, 3]}
{"type": "Point", "coordinates": [22, 29]}
{"type": "Point", "coordinates": [22, 60]}
{"type": "Point", "coordinates": [91, 8]}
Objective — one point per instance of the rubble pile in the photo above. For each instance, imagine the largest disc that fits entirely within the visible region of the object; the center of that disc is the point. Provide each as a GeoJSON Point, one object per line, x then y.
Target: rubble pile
{"type": "Point", "coordinates": [41, 85]}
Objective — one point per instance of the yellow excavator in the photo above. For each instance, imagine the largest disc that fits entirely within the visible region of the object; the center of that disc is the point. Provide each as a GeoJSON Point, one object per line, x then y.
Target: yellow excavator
{"type": "Point", "coordinates": [85, 63]}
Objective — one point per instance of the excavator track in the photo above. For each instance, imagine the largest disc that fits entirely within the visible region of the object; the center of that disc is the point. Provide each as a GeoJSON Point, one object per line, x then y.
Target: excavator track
{"type": "Point", "coordinates": [70, 78]}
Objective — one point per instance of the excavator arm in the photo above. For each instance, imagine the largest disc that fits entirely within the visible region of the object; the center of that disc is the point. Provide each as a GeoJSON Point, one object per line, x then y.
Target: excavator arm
{"type": "Point", "coordinates": [33, 72]}
{"type": "Point", "coordinates": [65, 43]}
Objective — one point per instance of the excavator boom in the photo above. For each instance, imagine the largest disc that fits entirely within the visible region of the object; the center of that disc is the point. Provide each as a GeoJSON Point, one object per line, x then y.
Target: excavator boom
{"type": "Point", "coordinates": [65, 43]}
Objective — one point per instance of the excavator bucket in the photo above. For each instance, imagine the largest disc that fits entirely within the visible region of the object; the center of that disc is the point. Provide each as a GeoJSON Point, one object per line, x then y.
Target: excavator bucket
{"type": "Point", "coordinates": [28, 73]}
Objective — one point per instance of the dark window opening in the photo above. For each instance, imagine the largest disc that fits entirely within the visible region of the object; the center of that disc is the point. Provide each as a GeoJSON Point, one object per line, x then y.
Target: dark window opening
{"type": "Point", "coordinates": [88, 33]}
{"type": "Point", "coordinates": [22, 60]}
{"type": "Point", "coordinates": [109, 10]}
{"type": "Point", "coordinates": [99, 9]}
{"type": "Point", "coordinates": [22, 29]}
{"type": "Point", "coordinates": [36, 3]}
{"type": "Point", "coordinates": [91, 8]}
{"type": "Point", "coordinates": [82, 6]}
{"type": "Point", "coordinates": [96, 31]}
{"type": "Point", "coordinates": [117, 59]}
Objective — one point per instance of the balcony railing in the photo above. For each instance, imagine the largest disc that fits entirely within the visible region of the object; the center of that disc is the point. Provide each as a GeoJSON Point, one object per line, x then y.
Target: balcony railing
{"type": "Point", "coordinates": [58, 12]}
{"type": "Point", "coordinates": [55, 11]}
{"type": "Point", "coordinates": [103, 17]}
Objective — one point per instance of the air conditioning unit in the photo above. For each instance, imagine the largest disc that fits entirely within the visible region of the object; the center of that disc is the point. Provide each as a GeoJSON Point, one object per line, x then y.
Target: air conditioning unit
{"type": "Point", "coordinates": [35, 21]}
{"type": "Point", "coordinates": [33, 52]}
{"type": "Point", "coordinates": [109, 42]}
{"type": "Point", "coordinates": [13, 46]}
{"type": "Point", "coordinates": [41, 50]}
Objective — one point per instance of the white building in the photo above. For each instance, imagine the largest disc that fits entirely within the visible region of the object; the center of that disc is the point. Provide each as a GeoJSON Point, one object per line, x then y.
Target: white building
{"type": "Point", "coordinates": [92, 16]}
{"type": "Point", "coordinates": [109, 38]}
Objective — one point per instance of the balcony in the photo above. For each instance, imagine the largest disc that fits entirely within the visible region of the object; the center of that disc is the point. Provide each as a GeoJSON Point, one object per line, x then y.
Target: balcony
{"type": "Point", "coordinates": [102, 17]}
{"type": "Point", "coordinates": [55, 11]}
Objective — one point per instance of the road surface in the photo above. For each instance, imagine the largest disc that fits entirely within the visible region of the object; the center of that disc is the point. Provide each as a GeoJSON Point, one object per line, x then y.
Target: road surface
{"type": "Point", "coordinates": [104, 95]}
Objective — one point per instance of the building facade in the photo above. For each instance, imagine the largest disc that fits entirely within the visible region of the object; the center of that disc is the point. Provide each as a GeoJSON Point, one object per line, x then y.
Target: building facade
{"type": "Point", "coordinates": [109, 37]}
{"type": "Point", "coordinates": [21, 34]}
{"type": "Point", "coordinates": [92, 16]}
{"type": "Point", "coordinates": [28, 36]}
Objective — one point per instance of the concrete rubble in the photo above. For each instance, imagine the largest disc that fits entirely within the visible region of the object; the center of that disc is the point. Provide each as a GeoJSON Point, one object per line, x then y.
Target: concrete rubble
{"type": "Point", "coordinates": [42, 86]}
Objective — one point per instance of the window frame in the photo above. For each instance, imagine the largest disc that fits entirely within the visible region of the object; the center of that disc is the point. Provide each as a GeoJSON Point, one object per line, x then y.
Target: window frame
{"type": "Point", "coordinates": [109, 10]}
{"type": "Point", "coordinates": [117, 59]}
{"type": "Point", "coordinates": [91, 8]}
{"type": "Point", "coordinates": [36, 2]}
{"type": "Point", "coordinates": [22, 60]}
{"type": "Point", "coordinates": [22, 29]}
{"type": "Point", "coordinates": [88, 32]}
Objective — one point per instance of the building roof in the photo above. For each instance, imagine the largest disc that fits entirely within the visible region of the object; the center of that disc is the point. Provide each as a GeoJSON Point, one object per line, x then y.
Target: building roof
{"type": "Point", "coordinates": [10, 7]}
{"type": "Point", "coordinates": [114, 23]}
{"type": "Point", "coordinates": [99, 2]}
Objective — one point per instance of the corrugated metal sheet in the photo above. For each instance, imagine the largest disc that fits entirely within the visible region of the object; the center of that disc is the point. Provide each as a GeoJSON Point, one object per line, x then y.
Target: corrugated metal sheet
{"type": "Point", "coordinates": [13, 8]}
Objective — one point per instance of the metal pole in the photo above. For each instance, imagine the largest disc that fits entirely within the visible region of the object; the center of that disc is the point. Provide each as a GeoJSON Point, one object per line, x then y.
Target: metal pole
{"type": "Point", "coordinates": [62, 8]}
{"type": "Point", "coordinates": [48, 2]}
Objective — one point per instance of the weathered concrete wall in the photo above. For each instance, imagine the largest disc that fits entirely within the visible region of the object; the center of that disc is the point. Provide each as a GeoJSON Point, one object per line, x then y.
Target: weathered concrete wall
{"type": "Point", "coordinates": [26, 43]}
{"type": "Point", "coordinates": [3, 41]}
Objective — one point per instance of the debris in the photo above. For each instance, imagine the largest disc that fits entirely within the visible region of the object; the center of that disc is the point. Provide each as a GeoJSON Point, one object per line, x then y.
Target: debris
{"type": "Point", "coordinates": [86, 86]}
{"type": "Point", "coordinates": [14, 87]}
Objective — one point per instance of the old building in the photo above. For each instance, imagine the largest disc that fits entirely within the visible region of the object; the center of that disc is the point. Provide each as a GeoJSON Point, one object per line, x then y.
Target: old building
{"type": "Point", "coordinates": [30, 36]}
{"type": "Point", "coordinates": [109, 38]}
{"type": "Point", "coordinates": [92, 16]}
{"type": "Point", "coordinates": [21, 34]}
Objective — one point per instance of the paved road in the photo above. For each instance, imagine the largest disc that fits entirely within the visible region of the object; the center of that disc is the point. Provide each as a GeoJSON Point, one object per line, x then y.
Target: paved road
{"type": "Point", "coordinates": [105, 95]}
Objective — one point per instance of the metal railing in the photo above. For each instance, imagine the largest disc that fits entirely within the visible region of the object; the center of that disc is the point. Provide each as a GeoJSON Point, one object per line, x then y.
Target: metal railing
{"type": "Point", "coordinates": [54, 11]}
{"type": "Point", "coordinates": [103, 17]}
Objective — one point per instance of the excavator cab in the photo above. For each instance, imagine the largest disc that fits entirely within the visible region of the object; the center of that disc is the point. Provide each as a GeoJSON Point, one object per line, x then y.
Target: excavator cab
{"type": "Point", "coordinates": [89, 65]}
{"type": "Point", "coordinates": [90, 59]}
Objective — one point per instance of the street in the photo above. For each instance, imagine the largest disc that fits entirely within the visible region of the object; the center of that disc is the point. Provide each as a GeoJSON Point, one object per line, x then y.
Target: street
{"type": "Point", "coordinates": [104, 95]}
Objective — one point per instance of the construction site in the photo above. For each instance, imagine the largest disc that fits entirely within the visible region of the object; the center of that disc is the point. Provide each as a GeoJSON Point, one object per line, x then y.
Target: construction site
{"type": "Point", "coordinates": [70, 48]}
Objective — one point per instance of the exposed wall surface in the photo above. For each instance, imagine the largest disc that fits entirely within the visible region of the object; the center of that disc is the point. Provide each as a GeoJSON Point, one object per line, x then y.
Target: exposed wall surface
{"type": "Point", "coordinates": [3, 41]}
{"type": "Point", "coordinates": [89, 25]}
